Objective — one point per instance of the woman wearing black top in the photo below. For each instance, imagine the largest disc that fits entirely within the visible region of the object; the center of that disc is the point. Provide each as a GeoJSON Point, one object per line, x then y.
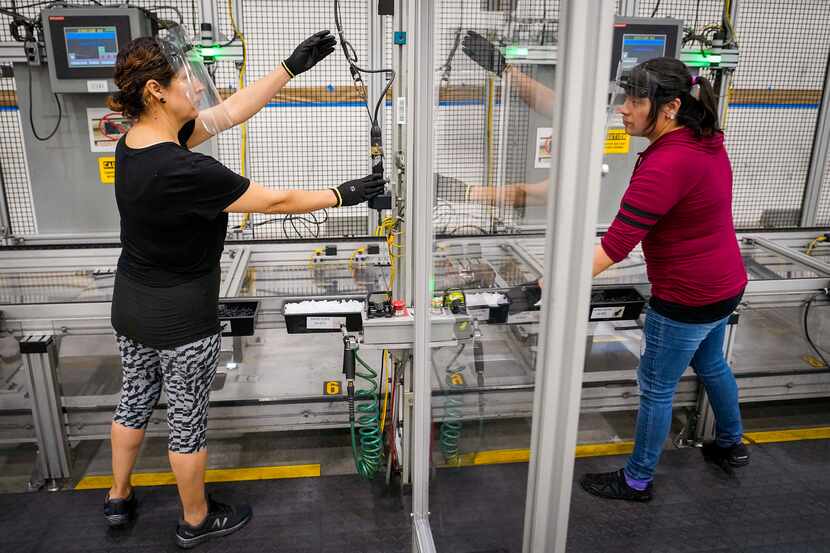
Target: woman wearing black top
{"type": "Point", "coordinates": [173, 205]}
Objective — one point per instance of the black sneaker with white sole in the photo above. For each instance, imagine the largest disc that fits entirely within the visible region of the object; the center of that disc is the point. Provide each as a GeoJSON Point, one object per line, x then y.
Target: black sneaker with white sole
{"type": "Point", "coordinates": [735, 456]}
{"type": "Point", "coordinates": [221, 520]}
{"type": "Point", "coordinates": [119, 512]}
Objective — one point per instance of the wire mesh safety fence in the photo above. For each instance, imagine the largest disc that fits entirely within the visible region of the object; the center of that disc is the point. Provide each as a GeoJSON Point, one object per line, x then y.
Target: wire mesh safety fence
{"type": "Point", "coordinates": [774, 105]}
{"type": "Point", "coordinates": [315, 132]}
{"type": "Point", "coordinates": [773, 100]}
{"type": "Point", "coordinates": [14, 173]}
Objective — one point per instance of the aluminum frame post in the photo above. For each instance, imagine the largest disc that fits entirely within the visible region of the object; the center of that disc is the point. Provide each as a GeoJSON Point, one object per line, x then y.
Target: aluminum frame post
{"type": "Point", "coordinates": [40, 360]}
{"type": "Point", "coordinates": [579, 128]}
{"type": "Point", "coordinates": [208, 15]}
{"type": "Point", "coordinates": [401, 133]}
{"type": "Point", "coordinates": [422, 92]}
{"type": "Point", "coordinates": [818, 157]}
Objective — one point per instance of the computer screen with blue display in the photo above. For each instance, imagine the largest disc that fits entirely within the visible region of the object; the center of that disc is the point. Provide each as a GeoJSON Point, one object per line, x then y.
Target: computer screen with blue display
{"type": "Point", "coordinates": [637, 48]}
{"type": "Point", "coordinates": [91, 46]}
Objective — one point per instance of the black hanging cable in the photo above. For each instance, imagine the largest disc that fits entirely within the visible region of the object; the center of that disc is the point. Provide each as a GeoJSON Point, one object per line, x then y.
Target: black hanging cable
{"type": "Point", "coordinates": [351, 57]}
{"type": "Point", "coordinates": [31, 115]}
{"type": "Point", "coordinates": [806, 327]}
{"type": "Point", "coordinates": [656, 7]}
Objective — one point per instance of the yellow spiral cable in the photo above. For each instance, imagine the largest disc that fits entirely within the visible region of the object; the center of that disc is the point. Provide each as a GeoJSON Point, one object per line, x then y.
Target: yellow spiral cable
{"type": "Point", "coordinates": [388, 377]}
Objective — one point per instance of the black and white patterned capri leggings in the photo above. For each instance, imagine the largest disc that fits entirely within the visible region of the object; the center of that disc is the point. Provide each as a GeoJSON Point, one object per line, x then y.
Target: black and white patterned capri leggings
{"type": "Point", "coordinates": [186, 372]}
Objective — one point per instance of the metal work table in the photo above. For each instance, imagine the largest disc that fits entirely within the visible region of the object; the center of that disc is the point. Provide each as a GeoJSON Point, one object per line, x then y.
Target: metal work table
{"type": "Point", "coordinates": [278, 382]}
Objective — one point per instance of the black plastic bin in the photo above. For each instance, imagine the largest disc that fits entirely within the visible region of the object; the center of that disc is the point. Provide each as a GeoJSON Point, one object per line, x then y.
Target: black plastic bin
{"type": "Point", "coordinates": [616, 304]}
{"type": "Point", "coordinates": [237, 317]}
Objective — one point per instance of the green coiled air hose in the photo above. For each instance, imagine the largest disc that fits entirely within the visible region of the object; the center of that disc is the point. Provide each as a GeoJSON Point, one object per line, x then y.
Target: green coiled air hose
{"type": "Point", "coordinates": [367, 457]}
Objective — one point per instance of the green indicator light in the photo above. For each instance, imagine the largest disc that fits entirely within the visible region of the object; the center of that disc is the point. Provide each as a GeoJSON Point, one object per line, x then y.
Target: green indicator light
{"type": "Point", "coordinates": [696, 58]}
{"type": "Point", "coordinates": [515, 52]}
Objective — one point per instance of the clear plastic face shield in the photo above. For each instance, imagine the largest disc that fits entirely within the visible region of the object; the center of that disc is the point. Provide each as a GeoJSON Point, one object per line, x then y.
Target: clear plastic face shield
{"type": "Point", "coordinates": [630, 84]}
{"type": "Point", "coordinates": [200, 90]}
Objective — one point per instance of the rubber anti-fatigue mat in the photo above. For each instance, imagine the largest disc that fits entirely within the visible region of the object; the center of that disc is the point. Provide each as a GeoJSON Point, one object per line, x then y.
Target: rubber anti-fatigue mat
{"type": "Point", "coordinates": [778, 504]}
{"type": "Point", "coordinates": [331, 514]}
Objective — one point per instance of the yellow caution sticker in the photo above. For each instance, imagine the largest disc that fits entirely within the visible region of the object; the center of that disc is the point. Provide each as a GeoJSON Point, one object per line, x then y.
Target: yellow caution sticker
{"type": "Point", "coordinates": [617, 141]}
{"type": "Point", "coordinates": [106, 170]}
{"type": "Point", "coordinates": [332, 388]}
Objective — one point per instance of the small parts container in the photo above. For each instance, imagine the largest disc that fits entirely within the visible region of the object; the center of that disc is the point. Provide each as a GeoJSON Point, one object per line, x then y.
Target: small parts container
{"type": "Point", "coordinates": [616, 304]}
{"type": "Point", "coordinates": [313, 321]}
{"type": "Point", "coordinates": [237, 317]}
{"type": "Point", "coordinates": [494, 312]}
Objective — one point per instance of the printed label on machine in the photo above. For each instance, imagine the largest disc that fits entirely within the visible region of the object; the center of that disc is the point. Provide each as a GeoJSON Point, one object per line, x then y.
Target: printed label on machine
{"type": "Point", "coordinates": [543, 146]}
{"type": "Point", "coordinates": [617, 141]}
{"type": "Point", "coordinates": [96, 86]}
{"type": "Point", "coordinates": [226, 327]}
{"type": "Point", "coordinates": [105, 129]}
{"type": "Point", "coordinates": [479, 313]}
{"type": "Point", "coordinates": [325, 323]}
{"type": "Point", "coordinates": [106, 170]}
{"type": "Point", "coordinates": [607, 312]}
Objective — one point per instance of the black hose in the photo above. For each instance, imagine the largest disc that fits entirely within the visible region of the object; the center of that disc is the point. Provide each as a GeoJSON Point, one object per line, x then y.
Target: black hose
{"type": "Point", "coordinates": [31, 115]}
{"type": "Point", "coordinates": [806, 328]}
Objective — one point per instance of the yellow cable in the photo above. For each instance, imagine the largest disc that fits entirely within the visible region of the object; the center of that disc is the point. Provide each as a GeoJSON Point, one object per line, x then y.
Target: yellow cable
{"type": "Point", "coordinates": [814, 243]}
{"type": "Point", "coordinates": [243, 128]}
{"type": "Point", "coordinates": [386, 386]}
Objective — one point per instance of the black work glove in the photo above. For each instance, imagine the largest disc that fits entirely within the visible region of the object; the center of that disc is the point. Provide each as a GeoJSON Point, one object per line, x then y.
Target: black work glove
{"type": "Point", "coordinates": [450, 189]}
{"type": "Point", "coordinates": [310, 52]}
{"type": "Point", "coordinates": [483, 52]}
{"type": "Point", "coordinates": [357, 191]}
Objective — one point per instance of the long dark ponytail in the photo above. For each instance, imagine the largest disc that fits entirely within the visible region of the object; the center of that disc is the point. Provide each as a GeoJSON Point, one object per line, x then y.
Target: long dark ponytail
{"type": "Point", "coordinates": [698, 103]}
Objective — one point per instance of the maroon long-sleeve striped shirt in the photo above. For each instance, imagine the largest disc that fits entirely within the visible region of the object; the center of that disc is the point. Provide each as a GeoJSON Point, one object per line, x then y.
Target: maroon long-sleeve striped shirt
{"type": "Point", "coordinates": [679, 204]}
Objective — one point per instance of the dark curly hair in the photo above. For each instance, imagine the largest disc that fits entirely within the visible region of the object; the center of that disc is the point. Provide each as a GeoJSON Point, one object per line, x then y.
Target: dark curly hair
{"type": "Point", "coordinates": [138, 62]}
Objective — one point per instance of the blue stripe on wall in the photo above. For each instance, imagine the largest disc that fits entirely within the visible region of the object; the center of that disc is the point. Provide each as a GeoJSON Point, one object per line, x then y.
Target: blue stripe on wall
{"type": "Point", "coordinates": [775, 106]}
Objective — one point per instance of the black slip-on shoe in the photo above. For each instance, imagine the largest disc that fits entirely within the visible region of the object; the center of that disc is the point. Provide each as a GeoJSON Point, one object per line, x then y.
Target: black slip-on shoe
{"type": "Point", "coordinates": [735, 456]}
{"type": "Point", "coordinates": [612, 485]}
{"type": "Point", "coordinates": [119, 512]}
{"type": "Point", "coordinates": [221, 520]}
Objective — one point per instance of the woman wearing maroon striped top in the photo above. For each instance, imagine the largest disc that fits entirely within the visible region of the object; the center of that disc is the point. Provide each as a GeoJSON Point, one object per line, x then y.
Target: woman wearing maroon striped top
{"type": "Point", "coordinates": [679, 205]}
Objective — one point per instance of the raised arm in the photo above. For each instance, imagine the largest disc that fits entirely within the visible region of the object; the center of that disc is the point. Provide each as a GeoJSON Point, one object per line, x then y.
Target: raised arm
{"type": "Point", "coordinates": [533, 93]}
{"type": "Point", "coordinates": [246, 102]}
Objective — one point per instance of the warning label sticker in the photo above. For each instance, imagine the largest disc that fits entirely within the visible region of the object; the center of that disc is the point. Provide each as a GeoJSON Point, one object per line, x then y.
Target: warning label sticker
{"type": "Point", "coordinates": [106, 169]}
{"type": "Point", "coordinates": [617, 141]}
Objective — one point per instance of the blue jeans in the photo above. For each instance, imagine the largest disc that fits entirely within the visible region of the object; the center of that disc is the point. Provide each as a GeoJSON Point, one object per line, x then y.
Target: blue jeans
{"type": "Point", "coordinates": [670, 347]}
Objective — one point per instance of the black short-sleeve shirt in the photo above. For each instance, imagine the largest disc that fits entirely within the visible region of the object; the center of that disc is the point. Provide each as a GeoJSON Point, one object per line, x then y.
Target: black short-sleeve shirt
{"type": "Point", "coordinates": [173, 228]}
